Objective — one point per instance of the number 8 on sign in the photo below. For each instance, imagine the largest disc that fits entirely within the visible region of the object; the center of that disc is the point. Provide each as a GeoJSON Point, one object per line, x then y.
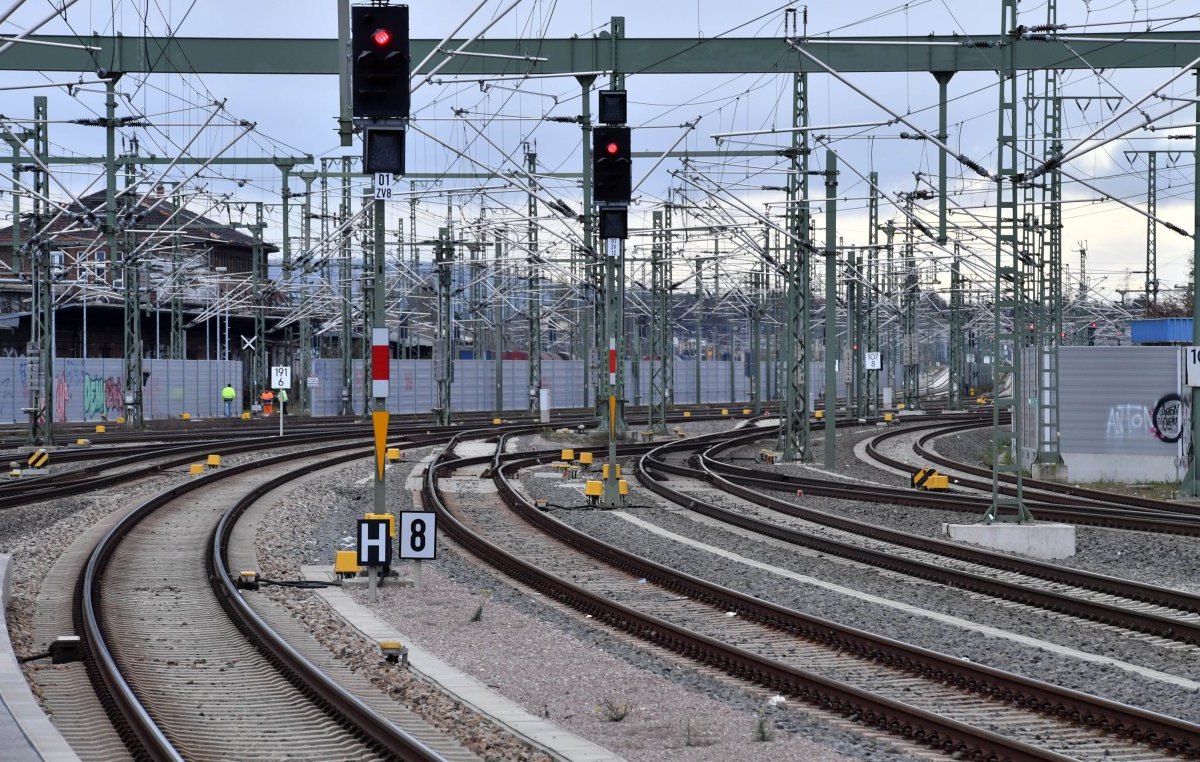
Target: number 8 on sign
{"type": "Point", "coordinates": [418, 534]}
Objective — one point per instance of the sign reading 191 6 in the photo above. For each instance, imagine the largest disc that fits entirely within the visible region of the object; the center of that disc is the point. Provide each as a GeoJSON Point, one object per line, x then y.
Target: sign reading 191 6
{"type": "Point", "coordinates": [1191, 366]}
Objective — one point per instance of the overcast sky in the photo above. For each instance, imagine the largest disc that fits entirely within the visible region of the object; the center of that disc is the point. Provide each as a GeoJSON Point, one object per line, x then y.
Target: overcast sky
{"type": "Point", "coordinates": [294, 114]}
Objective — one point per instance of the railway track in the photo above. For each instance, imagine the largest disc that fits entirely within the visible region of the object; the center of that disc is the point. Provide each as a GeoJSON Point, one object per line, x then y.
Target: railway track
{"type": "Point", "coordinates": [1078, 511]}
{"type": "Point", "coordinates": [1138, 607]}
{"type": "Point", "coordinates": [933, 699]}
{"type": "Point", "coordinates": [186, 667]}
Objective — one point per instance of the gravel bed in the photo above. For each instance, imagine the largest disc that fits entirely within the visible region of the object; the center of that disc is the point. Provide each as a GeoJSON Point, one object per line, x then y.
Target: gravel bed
{"type": "Point", "coordinates": [1111, 682]}
{"type": "Point", "coordinates": [523, 648]}
{"type": "Point", "coordinates": [36, 535]}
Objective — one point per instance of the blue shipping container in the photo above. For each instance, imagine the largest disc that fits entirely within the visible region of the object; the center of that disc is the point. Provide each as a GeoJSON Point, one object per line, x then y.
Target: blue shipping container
{"type": "Point", "coordinates": [1161, 331]}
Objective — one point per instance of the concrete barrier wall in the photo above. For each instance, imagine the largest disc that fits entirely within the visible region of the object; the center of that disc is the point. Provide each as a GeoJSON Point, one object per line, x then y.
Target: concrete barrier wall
{"type": "Point", "coordinates": [93, 389]}
{"type": "Point", "coordinates": [1107, 397]}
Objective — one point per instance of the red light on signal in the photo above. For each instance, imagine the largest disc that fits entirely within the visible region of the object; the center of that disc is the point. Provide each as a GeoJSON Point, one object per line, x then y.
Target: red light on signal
{"type": "Point", "coordinates": [381, 37]}
{"type": "Point", "coordinates": [612, 148]}
{"type": "Point", "coordinates": [1091, 325]}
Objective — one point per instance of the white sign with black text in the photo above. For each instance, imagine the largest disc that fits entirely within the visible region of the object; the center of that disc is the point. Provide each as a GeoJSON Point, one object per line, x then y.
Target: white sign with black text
{"type": "Point", "coordinates": [872, 361]}
{"type": "Point", "coordinates": [383, 186]}
{"type": "Point", "coordinates": [281, 377]}
{"type": "Point", "coordinates": [418, 534]}
{"type": "Point", "coordinates": [374, 542]}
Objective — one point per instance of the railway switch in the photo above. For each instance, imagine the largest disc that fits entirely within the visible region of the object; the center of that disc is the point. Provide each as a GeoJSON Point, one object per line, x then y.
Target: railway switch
{"type": "Point", "coordinates": [394, 651]}
{"type": "Point", "coordinates": [214, 460]}
{"type": "Point", "coordinates": [345, 564]}
{"type": "Point", "coordinates": [247, 580]}
{"type": "Point", "coordinates": [66, 649]}
{"type": "Point", "coordinates": [930, 479]}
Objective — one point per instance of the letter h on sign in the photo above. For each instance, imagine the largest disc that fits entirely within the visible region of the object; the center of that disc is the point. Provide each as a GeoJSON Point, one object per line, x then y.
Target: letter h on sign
{"type": "Point", "coordinates": [374, 542]}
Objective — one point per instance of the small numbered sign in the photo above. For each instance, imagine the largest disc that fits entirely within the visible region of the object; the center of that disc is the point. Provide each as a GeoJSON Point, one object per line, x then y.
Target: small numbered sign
{"type": "Point", "coordinates": [1191, 366]}
{"type": "Point", "coordinates": [383, 186]}
{"type": "Point", "coordinates": [418, 534]}
{"type": "Point", "coordinates": [872, 361]}
{"type": "Point", "coordinates": [374, 542]}
{"type": "Point", "coordinates": [281, 377]}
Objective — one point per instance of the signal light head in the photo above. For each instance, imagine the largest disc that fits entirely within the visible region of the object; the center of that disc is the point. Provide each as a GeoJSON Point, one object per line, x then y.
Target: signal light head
{"type": "Point", "coordinates": [612, 148]}
{"type": "Point", "coordinates": [381, 37]}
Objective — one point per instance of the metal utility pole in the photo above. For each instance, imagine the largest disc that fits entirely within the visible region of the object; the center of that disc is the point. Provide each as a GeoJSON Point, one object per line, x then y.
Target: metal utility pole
{"type": "Point", "coordinates": [178, 339]}
{"type": "Point", "coordinates": [535, 294]}
{"type": "Point", "coordinates": [793, 423]}
{"type": "Point", "coordinates": [588, 313]}
{"type": "Point", "coordinates": [753, 363]}
{"type": "Point", "coordinates": [660, 319]}
{"type": "Point", "coordinates": [871, 305]}
{"type": "Point", "coordinates": [304, 393]}
{"type": "Point", "coordinates": [498, 318]}
{"type": "Point", "coordinates": [443, 363]}
{"type": "Point", "coordinates": [41, 372]}
{"type": "Point", "coordinates": [257, 280]}
{"type": "Point", "coordinates": [1151, 290]}
{"type": "Point", "coordinates": [698, 308]}
{"type": "Point", "coordinates": [1049, 302]}
{"type": "Point", "coordinates": [954, 396]}
{"type": "Point", "coordinates": [134, 380]}
{"type": "Point", "coordinates": [831, 310]}
{"type": "Point", "coordinates": [345, 275]}
{"type": "Point", "coordinates": [955, 347]}
{"type": "Point", "coordinates": [1006, 340]}
{"type": "Point", "coordinates": [912, 296]}
{"type": "Point", "coordinates": [369, 206]}
{"type": "Point", "coordinates": [854, 366]}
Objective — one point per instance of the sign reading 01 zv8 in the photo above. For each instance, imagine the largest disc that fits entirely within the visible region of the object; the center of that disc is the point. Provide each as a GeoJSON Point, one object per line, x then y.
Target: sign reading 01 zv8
{"type": "Point", "coordinates": [418, 534]}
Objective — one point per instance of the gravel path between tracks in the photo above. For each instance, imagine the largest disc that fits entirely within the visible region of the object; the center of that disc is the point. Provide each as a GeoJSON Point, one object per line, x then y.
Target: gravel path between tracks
{"type": "Point", "coordinates": [547, 660]}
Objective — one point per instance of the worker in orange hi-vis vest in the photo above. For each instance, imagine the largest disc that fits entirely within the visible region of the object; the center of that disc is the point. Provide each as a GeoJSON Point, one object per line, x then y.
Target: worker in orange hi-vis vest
{"type": "Point", "coordinates": [268, 401]}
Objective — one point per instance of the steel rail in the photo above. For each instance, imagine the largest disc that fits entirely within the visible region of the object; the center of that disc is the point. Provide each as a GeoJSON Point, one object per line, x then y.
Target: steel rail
{"type": "Point", "coordinates": [920, 725]}
{"type": "Point", "coordinates": [1162, 626]}
{"type": "Point", "coordinates": [134, 723]}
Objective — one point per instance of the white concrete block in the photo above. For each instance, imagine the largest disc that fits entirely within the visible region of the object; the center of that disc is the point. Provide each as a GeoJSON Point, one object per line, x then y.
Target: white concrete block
{"type": "Point", "coordinates": [1044, 541]}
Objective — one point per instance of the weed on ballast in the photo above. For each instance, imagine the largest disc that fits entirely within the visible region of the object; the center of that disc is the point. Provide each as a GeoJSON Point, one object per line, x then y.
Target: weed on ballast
{"type": "Point", "coordinates": [763, 731]}
{"type": "Point", "coordinates": [612, 711]}
{"type": "Point", "coordinates": [478, 615]}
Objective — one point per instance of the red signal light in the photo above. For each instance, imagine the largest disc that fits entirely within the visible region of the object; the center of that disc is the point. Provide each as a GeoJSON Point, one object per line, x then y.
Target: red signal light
{"type": "Point", "coordinates": [612, 148]}
{"type": "Point", "coordinates": [1091, 325]}
{"type": "Point", "coordinates": [381, 37]}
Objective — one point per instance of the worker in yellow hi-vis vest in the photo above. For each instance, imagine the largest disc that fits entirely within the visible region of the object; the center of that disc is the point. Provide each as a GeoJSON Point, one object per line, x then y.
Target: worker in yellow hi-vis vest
{"type": "Point", "coordinates": [228, 395]}
{"type": "Point", "coordinates": [282, 396]}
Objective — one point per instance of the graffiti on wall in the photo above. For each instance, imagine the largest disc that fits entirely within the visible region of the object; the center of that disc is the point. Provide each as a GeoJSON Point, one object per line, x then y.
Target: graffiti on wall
{"type": "Point", "coordinates": [62, 395]}
{"type": "Point", "coordinates": [1129, 421]}
{"type": "Point", "coordinates": [101, 395]}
